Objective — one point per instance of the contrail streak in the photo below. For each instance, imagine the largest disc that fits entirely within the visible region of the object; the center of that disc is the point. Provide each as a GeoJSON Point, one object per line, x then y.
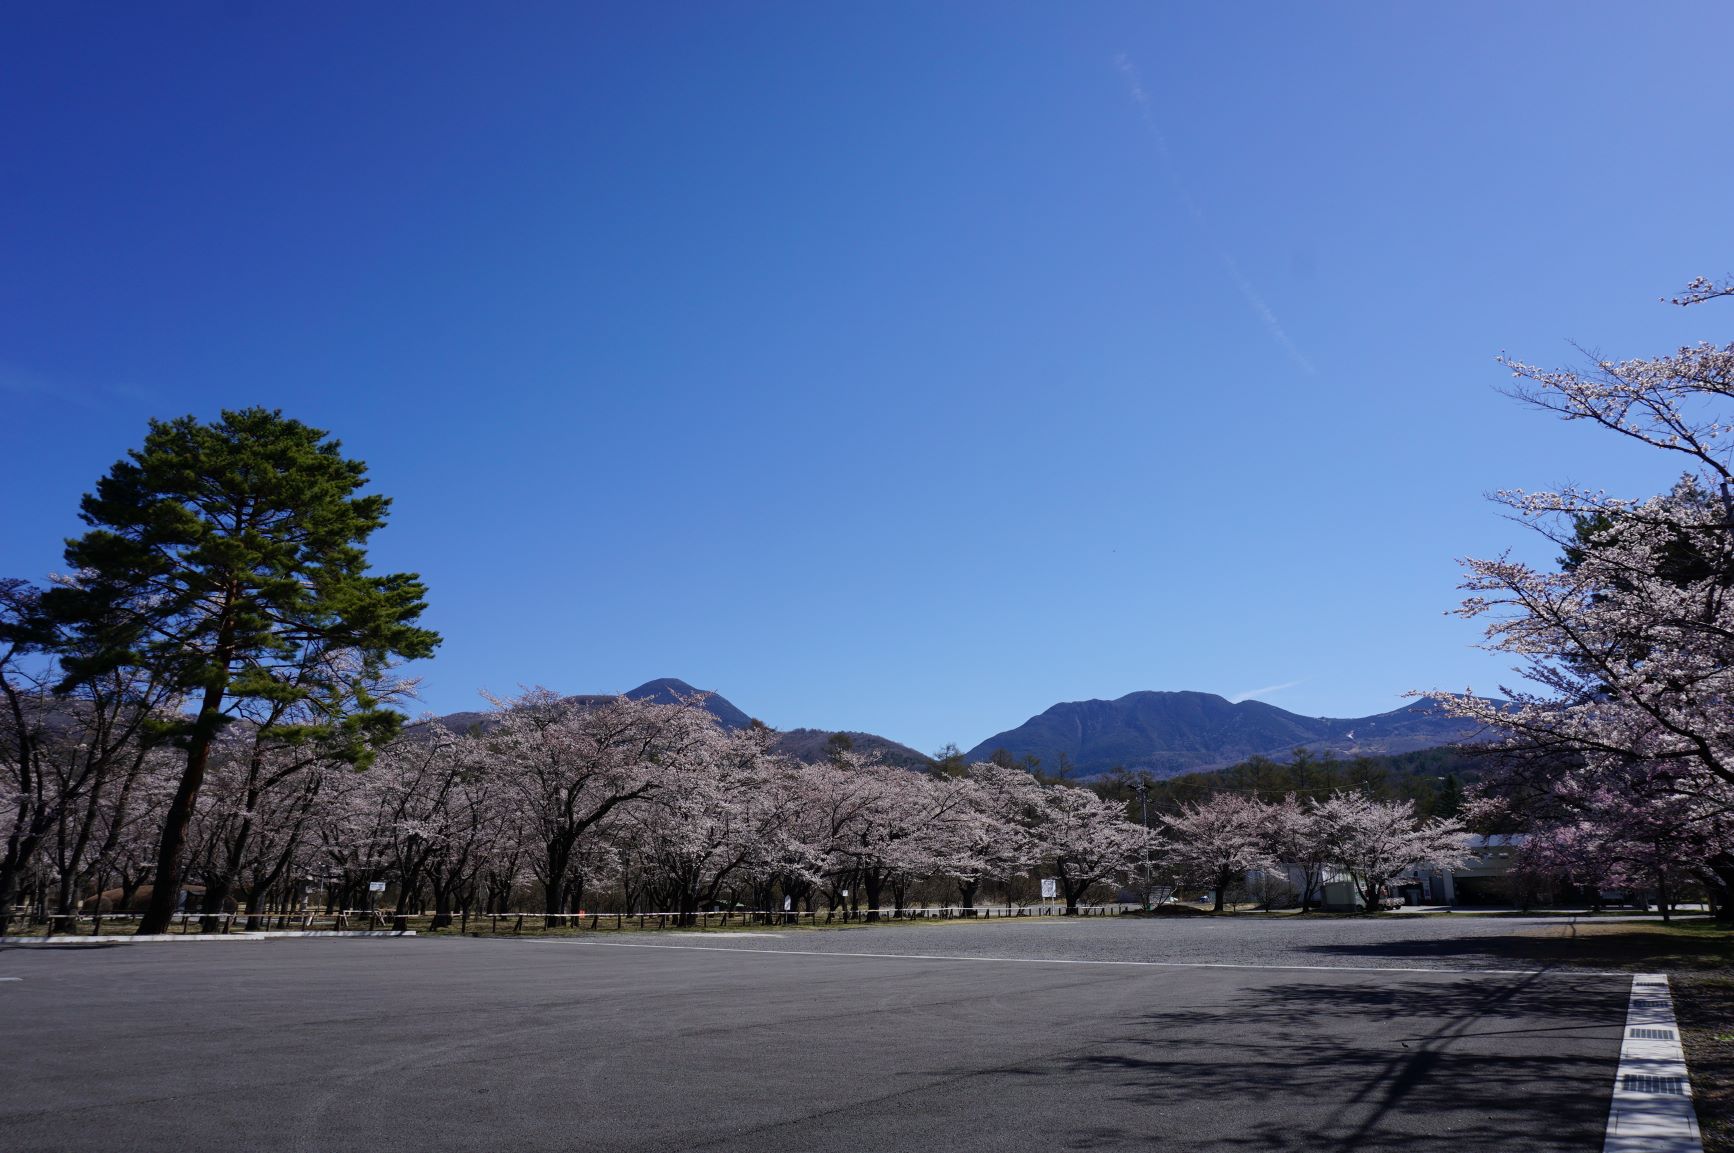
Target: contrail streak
{"type": "Point", "coordinates": [1256, 302]}
{"type": "Point", "coordinates": [1249, 694]}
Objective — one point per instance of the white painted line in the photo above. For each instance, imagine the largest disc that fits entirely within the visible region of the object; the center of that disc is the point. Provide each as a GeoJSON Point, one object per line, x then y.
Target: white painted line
{"type": "Point", "coordinates": [1060, 961]}
{"type": "Point", "coordinates": [1652, 1106]}
{"type": "Point", "coordinates": [11, 978]}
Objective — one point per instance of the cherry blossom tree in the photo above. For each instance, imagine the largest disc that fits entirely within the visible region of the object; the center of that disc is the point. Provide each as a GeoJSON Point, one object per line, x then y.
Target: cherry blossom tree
{"type": "Point", "coordinates": [1299, 839]}
{"type": "Point", "coordinates": [252, 833]}
{"type": "Point", "coordinates": [1637, 834]}
{"type": "Point", "coordinates": [476, 832]}
{"type": "Point", "coordinates": [1220, 839]}
{"type": "Point", "coordinates": [884, 822]}
{"type": "Point", "coordinates": [1376, 841]}
{"type": "Point", "coordinates": [715, 820]}
{"type": "Point", "coordinates": [74, 750]}
{"type": "Point", "coordinates": [1085, 838]}
{"type": "Point", "coordinates": [262, 764]}
{"type": "Point", "coordinates": [986, 835]}
{"type": "Point", "coordinates": [414, 785]}
{"type": "Point", "coordinates": [1627, 646]}
{"type": "Point", "coordinates": [571, 763]}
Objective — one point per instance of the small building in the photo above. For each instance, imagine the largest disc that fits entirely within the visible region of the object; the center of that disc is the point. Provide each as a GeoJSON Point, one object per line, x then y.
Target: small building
{"type": "Point", "coordinates": [1335, 892]}
{"type": "Point", "coordinates": [1481, 880]}
{"type": "Point", "coordinates": [1484, 879]}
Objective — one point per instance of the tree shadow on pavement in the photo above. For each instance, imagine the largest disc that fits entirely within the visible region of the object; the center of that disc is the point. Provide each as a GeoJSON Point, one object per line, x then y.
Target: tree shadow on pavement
{"type": "Point", "coordinates": [1526, 1063]}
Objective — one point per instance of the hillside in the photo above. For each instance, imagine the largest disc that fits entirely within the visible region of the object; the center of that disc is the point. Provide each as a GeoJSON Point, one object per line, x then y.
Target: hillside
{"type": "Point", "coordinates": [810, 745]}
{"type": "Point", "coordinates": [1433, 779]}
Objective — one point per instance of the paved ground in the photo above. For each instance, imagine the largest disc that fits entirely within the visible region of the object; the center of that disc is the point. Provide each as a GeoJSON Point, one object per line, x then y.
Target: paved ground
{"type": "Point", "coordinates": [1398, 1035]}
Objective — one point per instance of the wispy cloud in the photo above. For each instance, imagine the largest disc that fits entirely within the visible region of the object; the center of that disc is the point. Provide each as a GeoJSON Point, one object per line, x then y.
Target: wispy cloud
{"type": "Point", "coordinates": [1250, 694]}
{"type": "Point", "coordinates": [22, 382]}
{"type": "Point", "coordinates": [1254, 299]}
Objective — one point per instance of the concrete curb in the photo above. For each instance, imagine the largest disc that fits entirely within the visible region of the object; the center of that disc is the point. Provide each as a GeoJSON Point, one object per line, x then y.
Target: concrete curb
{"type": "Point", "coordinates": [1652, 1110]}
{"type": "Point", "coordinates": [133, 939]}
{"type": "Point", "coordinates": [270, 935]}
{"type": "Point", "coordinates": [189, 938]}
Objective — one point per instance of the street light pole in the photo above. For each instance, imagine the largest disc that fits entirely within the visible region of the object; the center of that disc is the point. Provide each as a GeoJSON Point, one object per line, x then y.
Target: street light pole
{"type": "Point", "coordinates": [1143, 787]}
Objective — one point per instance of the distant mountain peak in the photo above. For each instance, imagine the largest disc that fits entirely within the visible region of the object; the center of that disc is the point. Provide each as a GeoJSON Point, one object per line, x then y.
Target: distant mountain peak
{"type": "Point", "coordinates": [672, 690]}
{"type": "Point", "coordinates": [662, 684]}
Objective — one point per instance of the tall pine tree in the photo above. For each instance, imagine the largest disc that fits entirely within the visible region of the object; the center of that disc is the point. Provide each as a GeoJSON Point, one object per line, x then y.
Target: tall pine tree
{"type": "Point", "coordinates": [230, 559]}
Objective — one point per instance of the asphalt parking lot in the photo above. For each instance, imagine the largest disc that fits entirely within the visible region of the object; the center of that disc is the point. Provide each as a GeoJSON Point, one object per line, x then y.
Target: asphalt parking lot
{"type": "Point", "coordinates": [1115, 1034]}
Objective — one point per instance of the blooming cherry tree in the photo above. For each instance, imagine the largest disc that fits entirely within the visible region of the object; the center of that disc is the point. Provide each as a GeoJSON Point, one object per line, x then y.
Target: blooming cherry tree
{"type": "Point", "coordinates": [1628, 646]}
{"type": "Point", "coordinates": [571, 763]}
{"type": "Point", "coordinates": [1222, 838]}
{"type": "Point", "coordinates": [1085, 838]}
{"type": "Point", "coordinates": [1376, 841]}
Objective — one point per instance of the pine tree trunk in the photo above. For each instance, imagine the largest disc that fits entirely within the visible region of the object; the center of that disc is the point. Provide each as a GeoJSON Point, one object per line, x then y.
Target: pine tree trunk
{"type": "Point", "coordinates": [166, 881]}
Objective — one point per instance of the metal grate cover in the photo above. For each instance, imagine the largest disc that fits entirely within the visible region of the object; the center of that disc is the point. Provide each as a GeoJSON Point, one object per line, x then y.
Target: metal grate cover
{"type": "Point", "coordinates": [1654, 1034]}
{"type": "Point", "coordinates": [1644, 1083]}
{"type": "Point", "coordinates": [1647, 1003]}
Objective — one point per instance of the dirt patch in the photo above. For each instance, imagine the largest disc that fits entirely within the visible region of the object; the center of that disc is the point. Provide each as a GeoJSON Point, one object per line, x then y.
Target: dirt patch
{"type": "Point", "coordinates": [1175, 910]}
{"type": "Point", "coordinates": [1688, 947]}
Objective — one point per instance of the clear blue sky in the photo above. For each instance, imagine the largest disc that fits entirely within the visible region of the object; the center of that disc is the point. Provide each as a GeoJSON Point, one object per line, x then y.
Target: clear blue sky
{"type": "Point", "coordinates": [898, 367]}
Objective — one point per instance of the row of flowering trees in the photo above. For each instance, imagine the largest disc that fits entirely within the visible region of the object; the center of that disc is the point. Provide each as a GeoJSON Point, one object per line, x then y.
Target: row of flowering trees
{"type": "Point", "coordinates": [1291, 848]}
{"type": "Point", "coordinates": [567, 804]}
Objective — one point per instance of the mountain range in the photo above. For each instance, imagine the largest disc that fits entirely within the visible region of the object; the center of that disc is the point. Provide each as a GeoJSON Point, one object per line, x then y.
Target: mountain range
{"type": "Point", "coordinates": [805, 744]}
{"type": "Point", "coordinates": [1163, 733]}
{"type": "Point", "coordinates": [1171, 733]}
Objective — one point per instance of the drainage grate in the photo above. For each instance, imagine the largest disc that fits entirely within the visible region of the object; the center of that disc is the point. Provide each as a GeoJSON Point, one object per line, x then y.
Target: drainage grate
{"type": "Point", "coordinates": [1648, 1003]}
{"type": "Point", "coordinates": [1654, 1034]}
{"type": "Point", "coordinates": [1644, 1083]}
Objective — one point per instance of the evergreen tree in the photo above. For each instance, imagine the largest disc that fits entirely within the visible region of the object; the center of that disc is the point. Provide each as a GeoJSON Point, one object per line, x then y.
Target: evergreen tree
{"type": "Point", "coordinates": [229, 558]}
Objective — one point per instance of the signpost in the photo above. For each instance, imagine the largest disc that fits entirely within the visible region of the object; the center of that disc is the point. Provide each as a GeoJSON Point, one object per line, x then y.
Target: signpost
{"type": "Point", "coordinates": [374, 888]}
{"type": "Point", "coordinates": [1050, 888]}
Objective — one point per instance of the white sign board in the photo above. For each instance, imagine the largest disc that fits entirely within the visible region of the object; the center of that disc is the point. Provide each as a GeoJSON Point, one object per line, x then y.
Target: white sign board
{"type": "Point", "coordinates": [376, 886]}
{"type": "Point", "coordinates": [1050, 888]}
{"type": "Point", "coordinates": [788, 903]}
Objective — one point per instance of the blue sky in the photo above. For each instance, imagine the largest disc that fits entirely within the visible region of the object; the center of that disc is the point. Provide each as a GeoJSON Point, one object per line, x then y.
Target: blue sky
{"type": "Point", "coordinates": [895, 367]}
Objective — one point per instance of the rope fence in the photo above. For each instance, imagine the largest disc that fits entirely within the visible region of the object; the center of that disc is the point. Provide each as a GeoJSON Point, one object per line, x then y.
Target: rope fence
{"type": "Point", "coordinates": [517, 921]}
